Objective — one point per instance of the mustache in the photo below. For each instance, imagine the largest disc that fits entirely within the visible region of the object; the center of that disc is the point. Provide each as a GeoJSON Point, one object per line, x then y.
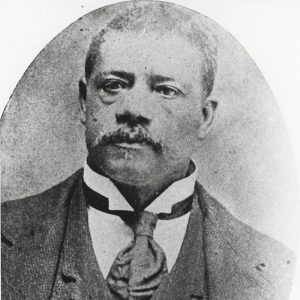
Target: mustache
{"type": "Point", "coordinates": [130, 136]}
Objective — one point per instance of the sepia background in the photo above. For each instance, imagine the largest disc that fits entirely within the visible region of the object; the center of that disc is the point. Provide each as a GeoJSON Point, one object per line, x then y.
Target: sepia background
{"type": "Point", "coordinates": [246, 163]}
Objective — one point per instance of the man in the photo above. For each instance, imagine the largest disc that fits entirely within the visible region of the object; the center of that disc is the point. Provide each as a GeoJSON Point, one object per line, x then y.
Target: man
{"type": "Point", "coordinates": [134, 223]}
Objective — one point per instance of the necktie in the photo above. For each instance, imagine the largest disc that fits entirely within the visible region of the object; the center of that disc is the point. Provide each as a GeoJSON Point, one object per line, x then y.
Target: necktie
{"type": "Point", "coordinates": [138, 269]}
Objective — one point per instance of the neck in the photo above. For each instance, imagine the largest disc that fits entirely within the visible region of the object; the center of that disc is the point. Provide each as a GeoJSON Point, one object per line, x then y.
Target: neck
{"type": "Point", "coordinates": [140, 196]}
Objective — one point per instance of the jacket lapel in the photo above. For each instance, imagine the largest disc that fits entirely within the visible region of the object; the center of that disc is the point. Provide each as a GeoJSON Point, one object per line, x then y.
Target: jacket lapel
{"type": "Point", "coordinates": [187, 278]}
{"type": "Point", "coordinates": [30, 247]}
{"type": "Point", "coordinates": [231, 272]}
{"type": "Point", "coordinates": [78, 275]}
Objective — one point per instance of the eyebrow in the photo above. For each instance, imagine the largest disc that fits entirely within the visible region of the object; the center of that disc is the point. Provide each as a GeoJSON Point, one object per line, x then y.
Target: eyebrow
{"type": "Point", "coordinates": [159, 78]}
{"type": "Point", "coordinates": [122, 74]}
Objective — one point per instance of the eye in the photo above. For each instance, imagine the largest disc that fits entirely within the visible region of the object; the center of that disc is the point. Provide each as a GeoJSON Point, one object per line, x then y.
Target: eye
{"type": "Point", "coordinates": [113, 86]}
{"type": "Point", "coordinates": [167, 91]}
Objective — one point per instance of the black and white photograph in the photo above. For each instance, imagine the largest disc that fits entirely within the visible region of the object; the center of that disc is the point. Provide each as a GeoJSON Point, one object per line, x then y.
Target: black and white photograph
{"type": "Point", "coordinates": [149, 150]}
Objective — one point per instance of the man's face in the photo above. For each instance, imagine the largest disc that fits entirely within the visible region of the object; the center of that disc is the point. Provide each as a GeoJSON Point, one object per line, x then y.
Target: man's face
{"type": "Point", "coordinates": [144, 106]}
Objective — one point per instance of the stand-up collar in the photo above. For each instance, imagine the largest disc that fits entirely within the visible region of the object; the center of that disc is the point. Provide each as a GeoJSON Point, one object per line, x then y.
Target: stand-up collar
{"type": "Point", "coordinates": [177, 191]}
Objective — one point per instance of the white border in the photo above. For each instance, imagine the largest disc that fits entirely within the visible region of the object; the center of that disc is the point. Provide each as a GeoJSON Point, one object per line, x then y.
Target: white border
{"type": "Point", "coordinates": [268, 30]}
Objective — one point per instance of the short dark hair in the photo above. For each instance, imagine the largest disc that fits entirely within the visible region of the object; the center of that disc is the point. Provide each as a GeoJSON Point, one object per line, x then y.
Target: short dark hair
{"type": "Point", "coordinates": [164, 18]}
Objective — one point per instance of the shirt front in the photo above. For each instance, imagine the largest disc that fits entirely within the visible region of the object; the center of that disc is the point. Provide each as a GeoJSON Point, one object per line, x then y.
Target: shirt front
{"type": "Point", "coordinates": [110, 234]}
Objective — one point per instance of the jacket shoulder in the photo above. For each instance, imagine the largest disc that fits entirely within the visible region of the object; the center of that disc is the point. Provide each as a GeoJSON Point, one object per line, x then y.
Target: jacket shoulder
{"type": "Point", "coordinates": [19, 212]}
{"type": "Point", "coordinates": [32, 235]}
{"type": "Point", "coordinates": [225, 222]}
{"type": "Point", "coordinates": [251, 255]}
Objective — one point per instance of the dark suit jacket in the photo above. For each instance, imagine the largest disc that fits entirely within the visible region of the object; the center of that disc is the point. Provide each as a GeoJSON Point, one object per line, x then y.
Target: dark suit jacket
{"type": "Point", "coordinates": [47, 253]}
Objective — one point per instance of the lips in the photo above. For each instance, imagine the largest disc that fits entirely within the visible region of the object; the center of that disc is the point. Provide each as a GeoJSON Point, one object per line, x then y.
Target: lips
{"type": "Point", "coordinates": [136, 146]}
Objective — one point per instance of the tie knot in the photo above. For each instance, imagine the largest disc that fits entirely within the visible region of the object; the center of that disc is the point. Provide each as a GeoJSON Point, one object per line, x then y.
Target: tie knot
{"type": "Point", "coordinates": [145, 223]}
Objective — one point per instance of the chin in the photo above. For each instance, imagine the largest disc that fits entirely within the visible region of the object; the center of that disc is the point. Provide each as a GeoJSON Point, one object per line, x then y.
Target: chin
{"type": "Point", "coordinates": [133, 173]}
{"type": "Point", "coordinates": [128, 167]}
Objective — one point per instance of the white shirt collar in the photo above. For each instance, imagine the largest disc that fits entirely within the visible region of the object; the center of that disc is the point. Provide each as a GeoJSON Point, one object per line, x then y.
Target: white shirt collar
{"type": "Point", "coordinates": [177, 191]}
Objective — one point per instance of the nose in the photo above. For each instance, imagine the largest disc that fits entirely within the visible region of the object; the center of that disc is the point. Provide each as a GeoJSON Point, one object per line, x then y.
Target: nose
{"type": "Point", "coordinates": [136, 107]}
{"type": "Point", "coordinates": [132, 119]}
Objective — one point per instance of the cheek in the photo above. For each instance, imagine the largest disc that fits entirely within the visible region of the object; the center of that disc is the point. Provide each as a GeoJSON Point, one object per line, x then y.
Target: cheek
{"type": "Point", "coordinates": [100, 121]}
{"type": "Point", "coordinates": [180, 134]}
{"type": "Point", "coordinates": [186, 132]}
{"type": "Point", "coordinates": [191, 123]}
{"type": "Point", "coordinates": [183, 121]}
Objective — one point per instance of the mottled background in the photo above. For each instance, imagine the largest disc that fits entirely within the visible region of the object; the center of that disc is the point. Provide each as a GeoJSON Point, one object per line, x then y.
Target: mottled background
{"type": "Point", "coordinates": [246, 162]}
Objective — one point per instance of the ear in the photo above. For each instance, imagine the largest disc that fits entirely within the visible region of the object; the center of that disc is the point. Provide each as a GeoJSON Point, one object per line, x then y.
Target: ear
{"type": "Point", "coordinates": [82, 99]}
{"type": "Point", "coordinates": [208, 114]}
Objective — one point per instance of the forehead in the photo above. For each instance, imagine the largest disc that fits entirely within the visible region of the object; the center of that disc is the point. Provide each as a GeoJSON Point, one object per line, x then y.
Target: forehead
{"type": "Point", "coordinates": [163, 54]}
